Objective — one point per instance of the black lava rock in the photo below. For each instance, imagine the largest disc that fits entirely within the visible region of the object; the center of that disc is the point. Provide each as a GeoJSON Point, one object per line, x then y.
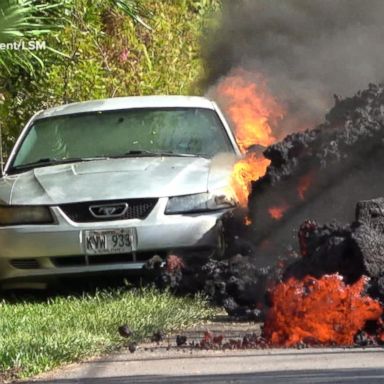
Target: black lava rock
{"type": "Point", "coordinates": [132, 347]}
{"type": "Point", "coordinates": [181, 340]}
{"type": "Point", "coordinates": [125, 331]}
{"type": "Point", "coordinates": [157, 337]}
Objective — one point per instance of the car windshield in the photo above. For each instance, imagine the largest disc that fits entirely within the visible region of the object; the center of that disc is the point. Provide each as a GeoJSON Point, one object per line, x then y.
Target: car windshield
{"type": "Point", "coordinates": [147, 132]}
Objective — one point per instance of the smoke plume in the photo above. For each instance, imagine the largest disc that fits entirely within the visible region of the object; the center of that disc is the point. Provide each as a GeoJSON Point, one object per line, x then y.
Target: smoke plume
{"type": "Point", "coordinates": [308, 50]}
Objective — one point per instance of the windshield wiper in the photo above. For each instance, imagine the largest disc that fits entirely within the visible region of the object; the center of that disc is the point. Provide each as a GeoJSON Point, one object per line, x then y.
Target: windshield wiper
{"type": "Point", "coordinates": [145, 153]}
{"type": "Point", "coordinates": [53, 161]}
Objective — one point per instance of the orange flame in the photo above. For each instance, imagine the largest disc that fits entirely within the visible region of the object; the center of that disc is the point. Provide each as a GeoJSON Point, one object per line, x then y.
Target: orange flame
{"type": "Point", "coordinates": [322, 311]}
{"type": "Point", "coordinates": [278, 212]}
{"type": "Point", "coordinates": [250, 168]}
{"type": "Point", "coordinates": [304, 184]}
{"type": "Point", "coordinates": [252, 109]}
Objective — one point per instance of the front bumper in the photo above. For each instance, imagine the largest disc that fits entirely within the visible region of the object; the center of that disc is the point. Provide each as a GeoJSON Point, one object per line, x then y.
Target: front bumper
{"type": "Point", "coordinates": [38, 251]}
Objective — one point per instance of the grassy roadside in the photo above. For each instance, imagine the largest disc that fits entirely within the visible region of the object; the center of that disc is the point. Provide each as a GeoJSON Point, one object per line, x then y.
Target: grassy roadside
{"type": "Point", "coordinates": [36, 337]}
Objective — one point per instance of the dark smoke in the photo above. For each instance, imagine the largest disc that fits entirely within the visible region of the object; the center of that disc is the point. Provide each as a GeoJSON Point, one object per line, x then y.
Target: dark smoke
{"type": "Point", "coordinates": [308, 50]}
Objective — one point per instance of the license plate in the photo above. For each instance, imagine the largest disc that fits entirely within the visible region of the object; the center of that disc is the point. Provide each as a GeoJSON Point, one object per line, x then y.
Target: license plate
{"type": "Point", "coordinates": [103, 242]}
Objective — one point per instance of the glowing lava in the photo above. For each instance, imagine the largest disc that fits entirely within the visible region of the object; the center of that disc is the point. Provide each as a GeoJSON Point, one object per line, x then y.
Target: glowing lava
{"type": "Point", "coordinates": [174, 263]}
{"type": "Point", "coordinates": [322, 311]}
{"type": "Point", "coordinates": [253, 112]}
{"type": "Point", "coordinates": [304, 184]}
{"type": "Point", "coordinates": [277, 212]}
{"type": "Point", "coordinates": [247, 221]}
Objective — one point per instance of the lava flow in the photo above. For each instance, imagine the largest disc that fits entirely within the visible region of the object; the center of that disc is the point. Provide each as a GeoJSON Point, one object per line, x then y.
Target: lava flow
{"type": "Point", "coordinates": [322, 311]}
{"type": "Point", "coordinates": [327, 309]}
{"type": "Point", "coordinates": [253, 112]}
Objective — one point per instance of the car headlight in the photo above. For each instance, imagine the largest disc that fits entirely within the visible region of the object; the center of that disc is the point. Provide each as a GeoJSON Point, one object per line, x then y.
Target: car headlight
{"type": "Point", "coordinates": [199, 202]}
{"type": "Point", "coordinates": [24, 214]}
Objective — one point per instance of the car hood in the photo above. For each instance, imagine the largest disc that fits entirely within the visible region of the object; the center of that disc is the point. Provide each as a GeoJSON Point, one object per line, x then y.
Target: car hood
{"type": "Point", "coordinates": [114, 179]}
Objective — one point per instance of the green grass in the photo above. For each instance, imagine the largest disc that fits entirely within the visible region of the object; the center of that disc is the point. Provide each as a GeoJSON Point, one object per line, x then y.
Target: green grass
{"type": "Point", "coordinates": [36, 337]}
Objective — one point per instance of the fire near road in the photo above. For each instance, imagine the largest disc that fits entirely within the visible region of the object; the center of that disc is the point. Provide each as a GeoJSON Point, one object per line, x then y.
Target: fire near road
{"type": "Point", "coordinates": [257, 366]}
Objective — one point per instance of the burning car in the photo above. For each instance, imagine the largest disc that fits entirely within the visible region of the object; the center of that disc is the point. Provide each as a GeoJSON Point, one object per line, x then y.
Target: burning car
{"type": "Point", "coordinates": [102, 186]}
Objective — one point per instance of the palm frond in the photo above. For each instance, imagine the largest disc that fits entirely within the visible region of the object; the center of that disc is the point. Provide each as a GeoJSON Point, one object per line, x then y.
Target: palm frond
{"type": "Point", "coordinates": [134, 9]}
{"type": "Point", "coordinates": [26, 19]}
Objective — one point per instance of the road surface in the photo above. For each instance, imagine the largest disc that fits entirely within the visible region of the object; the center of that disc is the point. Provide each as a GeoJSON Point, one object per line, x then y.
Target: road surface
{"type": "Point", "coordinates": [288, 366]}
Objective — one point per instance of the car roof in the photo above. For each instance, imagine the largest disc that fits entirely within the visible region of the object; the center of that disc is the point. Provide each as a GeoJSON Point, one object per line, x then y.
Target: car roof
{"type": "Point", "coordinates": [127, 103]}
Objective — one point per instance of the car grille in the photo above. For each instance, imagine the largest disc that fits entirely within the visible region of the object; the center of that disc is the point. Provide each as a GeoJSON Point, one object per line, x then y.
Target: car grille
{"type": "Point", "coordinates": [137, 209]}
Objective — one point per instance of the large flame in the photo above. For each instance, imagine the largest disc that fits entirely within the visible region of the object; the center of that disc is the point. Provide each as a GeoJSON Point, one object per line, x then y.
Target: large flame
{"type": "Point", "coordinates": [322, 311]}
{"type": "Point", "coordinates": [250, 107]}
{"type": "Point", "coordinates": [252, 110]}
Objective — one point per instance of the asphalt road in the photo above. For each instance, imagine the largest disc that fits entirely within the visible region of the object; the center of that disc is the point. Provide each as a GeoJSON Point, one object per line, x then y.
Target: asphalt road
{"type": "Point", "coordinates": [253, 366]}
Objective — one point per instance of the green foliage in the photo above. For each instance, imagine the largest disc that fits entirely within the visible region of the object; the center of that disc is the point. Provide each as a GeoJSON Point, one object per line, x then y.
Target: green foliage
{"type": "Point", "coordinates": [25, 19]}
{"type": "Point", "coordinates": [107, 53]}
{"type": "Point", "coordinates": [22, 20]}
{"type": "Point", "coordinates": [36, 337]}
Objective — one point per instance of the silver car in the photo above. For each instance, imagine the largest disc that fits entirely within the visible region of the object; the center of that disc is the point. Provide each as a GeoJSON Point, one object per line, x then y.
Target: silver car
{"type": "Point", "coordinates": [102, 186]}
